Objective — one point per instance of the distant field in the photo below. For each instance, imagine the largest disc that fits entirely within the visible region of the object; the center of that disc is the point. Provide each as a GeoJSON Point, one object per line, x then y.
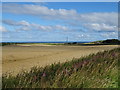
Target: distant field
{"type": "Point", "coordinates": [39, 44]}
{"type": "Point", "coordinates": [16, 58]}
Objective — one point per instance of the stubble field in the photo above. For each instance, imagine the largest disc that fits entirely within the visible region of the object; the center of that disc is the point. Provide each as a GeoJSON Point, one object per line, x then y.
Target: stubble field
{"type": "Point", "coordinates": [18, 58]}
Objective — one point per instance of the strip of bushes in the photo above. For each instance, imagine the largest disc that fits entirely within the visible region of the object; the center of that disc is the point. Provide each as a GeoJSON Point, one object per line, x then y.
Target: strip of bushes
{"type": "Point", "coordinates": [7, 43]}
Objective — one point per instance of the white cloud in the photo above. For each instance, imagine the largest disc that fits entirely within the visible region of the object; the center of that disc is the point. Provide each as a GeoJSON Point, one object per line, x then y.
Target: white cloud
{"type": "Point", "coordinates": [14, 23]}
{"type": "Point", "coordinates": [24, 28]}
{"type": "Point", "coordinates": [83, 36]}
{"type": "Point", "coordinates": [110, 35]}
{"type": "Point", "coordinates": [44, 28]}
{"type": "Point", "coordinates": [98, 21]}
{"type": "Point", "coordinates": [59, 27]}
{"type": "Point", "coordinates": [100, 27]}
{"type": "Point", "coordinates": [24, 25]}
{"type": "Point", "coordinates": [3, 29]}
{"type": "Point", "coordinates": [40, 11]}
{"type": "Point", "coordinates": [110, 18]}
{"type": "Point", "coordinates": [43, 11]}
{"type": "Point", "coordinates": [9, 22]}
{"type": "Point", "coordinates": [41, 27]}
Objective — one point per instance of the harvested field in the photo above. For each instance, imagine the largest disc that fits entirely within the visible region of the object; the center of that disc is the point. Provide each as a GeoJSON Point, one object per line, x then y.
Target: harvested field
{"type": "Point", "coordinates": [17, 58]}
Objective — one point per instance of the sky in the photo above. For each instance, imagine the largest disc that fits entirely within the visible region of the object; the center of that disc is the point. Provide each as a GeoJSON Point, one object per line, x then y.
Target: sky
{"type": "Point", "coordinates": [55, 21]}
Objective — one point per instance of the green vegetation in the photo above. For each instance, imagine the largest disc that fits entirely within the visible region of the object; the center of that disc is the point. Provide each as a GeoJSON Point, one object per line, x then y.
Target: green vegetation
{"type": "Point", "coordinates": [7, 43]}
{"type": "Point", "coordinates": [12, 43]}
{"type": "Point", "coordinates": [94, 71]}
{"type": "Point", "coordinates": [101, 42]}
{"type": "Point", "coordinates": [108, 41]}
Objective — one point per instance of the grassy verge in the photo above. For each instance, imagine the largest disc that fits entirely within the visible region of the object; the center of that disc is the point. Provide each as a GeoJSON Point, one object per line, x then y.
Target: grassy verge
{"type": "Point", "coordinates": [94, 71]}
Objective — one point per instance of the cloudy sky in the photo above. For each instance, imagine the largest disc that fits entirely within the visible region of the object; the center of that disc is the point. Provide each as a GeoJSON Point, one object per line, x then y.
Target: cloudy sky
{"type": "Point", "coordinates": [79, 21]}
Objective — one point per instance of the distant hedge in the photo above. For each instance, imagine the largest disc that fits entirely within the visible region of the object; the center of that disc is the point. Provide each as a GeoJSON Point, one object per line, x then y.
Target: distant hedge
{"type": "Point", "coordinates": [111, 41]}
{"type": "Point", "coordinates": [7, 43]}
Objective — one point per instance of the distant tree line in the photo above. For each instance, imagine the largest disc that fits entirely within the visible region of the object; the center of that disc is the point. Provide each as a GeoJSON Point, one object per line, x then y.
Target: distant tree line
{"type": "Point", "coordinates": [7, 43]}
{"type": "Point", "coordinates": [108, 42]}
{"type": "Point", "coordinates": [71, 43]}
{"type": "Point", "coordinates": [102, 42]}
{"type": "Point", "coordinates": [111, 41]}
{"type": "Point", "coordinates": [10, 43]}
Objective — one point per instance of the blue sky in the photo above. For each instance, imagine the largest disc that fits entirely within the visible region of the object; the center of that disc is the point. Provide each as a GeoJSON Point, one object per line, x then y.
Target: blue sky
{"type": "Point", "coordinates": [54, 21]}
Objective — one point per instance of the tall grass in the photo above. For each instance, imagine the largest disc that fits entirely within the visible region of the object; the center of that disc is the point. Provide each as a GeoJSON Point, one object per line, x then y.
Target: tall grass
{"type": "Point", "coordinates": [94, 71]}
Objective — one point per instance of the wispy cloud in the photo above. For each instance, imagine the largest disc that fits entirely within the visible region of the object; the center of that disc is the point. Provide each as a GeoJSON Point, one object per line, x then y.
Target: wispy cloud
{"type": "Point", "coordinates": [100, 27]}
{"type": "Point", "coordinates": [24, 25]}
{"type": "Point", "coordinates": [14, 23]}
